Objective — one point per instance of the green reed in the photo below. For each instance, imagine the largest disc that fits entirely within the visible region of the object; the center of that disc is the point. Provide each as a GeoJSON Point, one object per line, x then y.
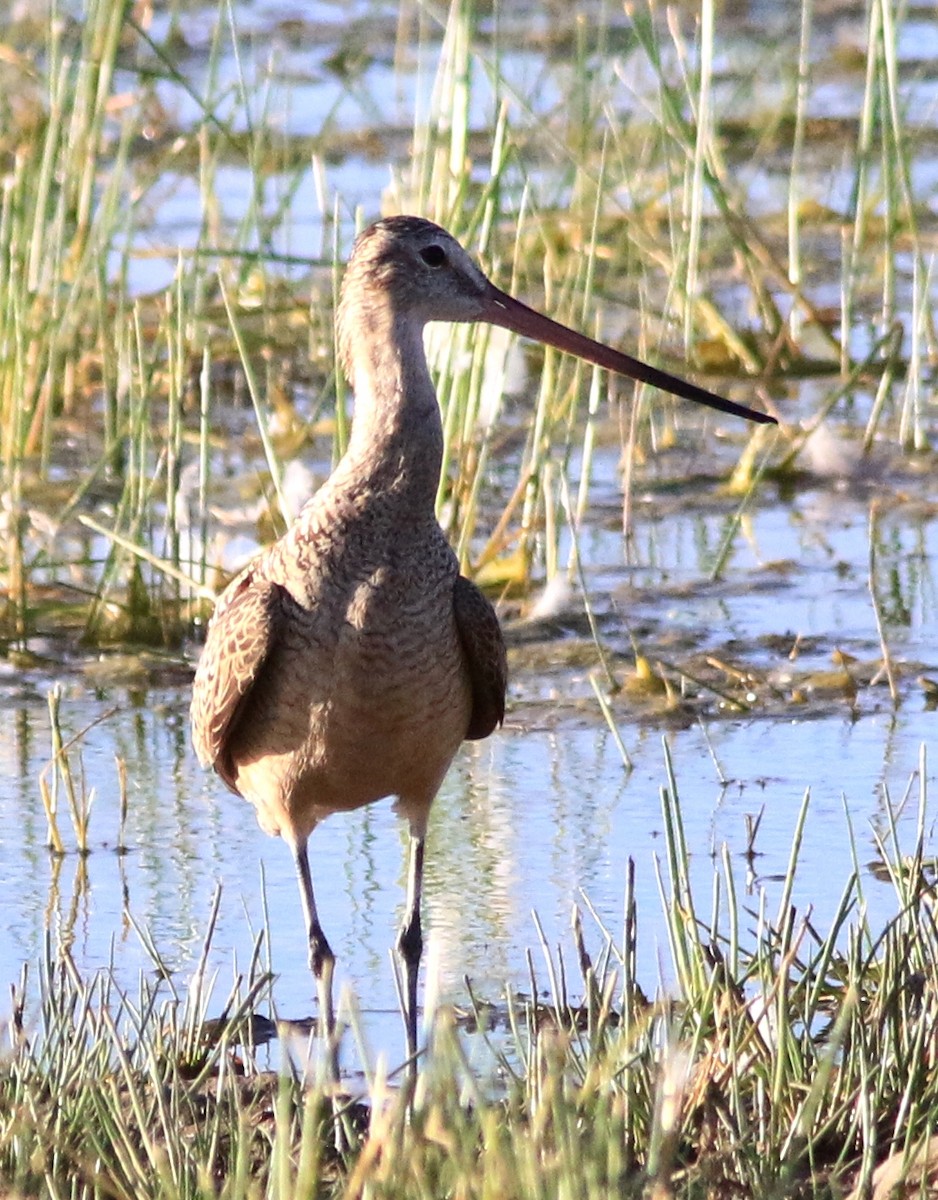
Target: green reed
{"type": "Point", "coordinates": [617, 216]}
{"type": "Point", "coordinates": [779, 1059]}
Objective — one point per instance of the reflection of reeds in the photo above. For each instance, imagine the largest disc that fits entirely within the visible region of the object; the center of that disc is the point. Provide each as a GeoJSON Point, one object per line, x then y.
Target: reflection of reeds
{"type": "Point", "coordinates": [63, 918]}
{"type": "Point", "coordinates": [774, 1057]}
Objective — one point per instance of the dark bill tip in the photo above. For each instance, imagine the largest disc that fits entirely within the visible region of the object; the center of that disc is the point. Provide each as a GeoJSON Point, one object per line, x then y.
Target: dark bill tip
{"type": "Point", "coordinates": [502, 309]}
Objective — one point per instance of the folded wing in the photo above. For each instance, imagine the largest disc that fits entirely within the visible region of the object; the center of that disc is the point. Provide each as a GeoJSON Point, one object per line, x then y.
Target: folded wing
{"type": "Point", "coordinates": [484, 648]}
{"type": "Point", "coordinates": [244, 630]}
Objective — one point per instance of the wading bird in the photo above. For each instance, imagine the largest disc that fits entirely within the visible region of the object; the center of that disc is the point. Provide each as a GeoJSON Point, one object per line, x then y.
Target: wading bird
{"type": "Point", "coordinates": [349, 659]}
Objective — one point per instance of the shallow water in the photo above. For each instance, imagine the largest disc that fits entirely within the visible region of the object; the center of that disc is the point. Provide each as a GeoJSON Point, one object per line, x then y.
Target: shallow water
{"type": "Point", "coordinates": [543, 814]}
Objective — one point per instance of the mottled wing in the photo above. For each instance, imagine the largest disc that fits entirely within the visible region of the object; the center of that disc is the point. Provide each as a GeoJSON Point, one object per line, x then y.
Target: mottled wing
{"type": "Point", "coordinates": [484, 649]}
{"type": "Point", "coordinates": [244, 629]}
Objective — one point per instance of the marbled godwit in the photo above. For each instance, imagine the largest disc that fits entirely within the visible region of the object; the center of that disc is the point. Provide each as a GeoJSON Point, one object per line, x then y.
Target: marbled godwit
{"type": "Point", "coordinates": [349, 660]}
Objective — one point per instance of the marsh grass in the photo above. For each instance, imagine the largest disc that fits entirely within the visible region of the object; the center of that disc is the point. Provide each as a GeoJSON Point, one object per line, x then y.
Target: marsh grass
{"type": "Point", "coordinates": [559, 205]}
{"type": "Point", "coordinates": [780, 1060]}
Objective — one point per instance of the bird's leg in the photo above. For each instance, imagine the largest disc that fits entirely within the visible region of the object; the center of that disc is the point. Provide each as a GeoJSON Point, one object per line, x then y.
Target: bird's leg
{"type": "Point", "coordinates": [410, 947]}
{"type": "Point", "coordinates": [321, 960]}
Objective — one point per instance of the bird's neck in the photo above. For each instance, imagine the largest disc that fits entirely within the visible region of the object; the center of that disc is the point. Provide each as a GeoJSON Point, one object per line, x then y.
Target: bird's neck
{"type": "Point", "coordinates": [396, 443]}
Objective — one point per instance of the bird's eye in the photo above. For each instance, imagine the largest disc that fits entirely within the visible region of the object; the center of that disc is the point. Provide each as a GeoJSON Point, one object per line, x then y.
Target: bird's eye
{"type": "Point", "coordinates": [433, 255]}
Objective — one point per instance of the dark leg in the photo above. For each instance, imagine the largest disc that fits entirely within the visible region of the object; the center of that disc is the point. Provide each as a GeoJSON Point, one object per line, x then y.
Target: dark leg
{"type": "Point", "coordinates": [321, 961]}
{"type": "Point", "coordinates": [410, 948]}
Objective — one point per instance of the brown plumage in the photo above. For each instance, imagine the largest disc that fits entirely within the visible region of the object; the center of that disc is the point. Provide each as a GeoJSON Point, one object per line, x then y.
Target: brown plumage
{"type": "Point", "coordinates": [349, 660]}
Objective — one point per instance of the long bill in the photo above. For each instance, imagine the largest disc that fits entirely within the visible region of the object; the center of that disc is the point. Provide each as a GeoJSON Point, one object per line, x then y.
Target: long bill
{"type": "Point", "coordinates": [502, 309]}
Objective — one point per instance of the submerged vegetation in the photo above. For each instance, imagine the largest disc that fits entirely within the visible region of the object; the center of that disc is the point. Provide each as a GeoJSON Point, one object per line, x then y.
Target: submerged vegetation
{"type": "Point", "coordinates": [172, 222]}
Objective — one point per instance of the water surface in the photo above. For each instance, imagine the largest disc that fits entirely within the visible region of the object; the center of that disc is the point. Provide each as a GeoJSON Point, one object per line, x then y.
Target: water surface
{"type": "Point", "coordinates": [544, 815]}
